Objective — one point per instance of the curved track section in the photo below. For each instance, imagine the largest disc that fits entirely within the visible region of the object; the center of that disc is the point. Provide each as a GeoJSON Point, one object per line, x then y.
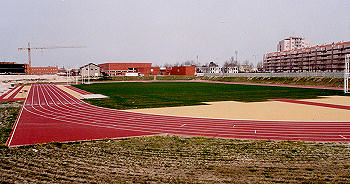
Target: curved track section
{"type": "Point", "coordinates": [50, 114]}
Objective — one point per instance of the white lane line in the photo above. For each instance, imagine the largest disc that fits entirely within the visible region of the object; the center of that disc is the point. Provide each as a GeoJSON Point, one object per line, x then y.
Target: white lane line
{"type": "Point", "coordinates": [343, 137]}
{"type": "Point", "coordinates": [164, 126]}
{"type": "Point", "coordinates": [113, 126]}
{"type": "Point", "coordinates": [94, 109]}
{"type": "Point", "coordinates": [89, 106]}
{"type": "Point", "coordinates": [58, 99]}
{"type": "Point", "coordinates": [140, 127]}
{"type": "Point", "coordinates": [16, 124]}
{"type": "Point", "coordinates": [104, 118]}
{"type": "Point", "coordinates": [143, 128]}
{"type": "Point", "coordinates": [114, 114]}
{"type": "Point", "coordinates": [80, 111]}
{"type": "Point", "coordinates": [12, 92]}
{"type": "Point", "coordinates": [193, 132]}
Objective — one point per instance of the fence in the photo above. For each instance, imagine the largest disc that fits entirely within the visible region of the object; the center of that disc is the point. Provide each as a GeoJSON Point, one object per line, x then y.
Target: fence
{"type": "Point", "coordinates": [303, 74]}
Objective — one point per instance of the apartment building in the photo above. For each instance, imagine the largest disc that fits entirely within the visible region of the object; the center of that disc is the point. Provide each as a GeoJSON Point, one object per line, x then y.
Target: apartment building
{"type": "Point", "coordinates": [292, 43]}
{"type": "Point", "coordinates": [324, 58]}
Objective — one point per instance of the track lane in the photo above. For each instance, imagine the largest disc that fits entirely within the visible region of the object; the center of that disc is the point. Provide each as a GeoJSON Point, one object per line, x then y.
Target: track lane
{"type": "Point", "coordinates": [241, 126]}
{"type": "Point", "coordinates": [51, 108]}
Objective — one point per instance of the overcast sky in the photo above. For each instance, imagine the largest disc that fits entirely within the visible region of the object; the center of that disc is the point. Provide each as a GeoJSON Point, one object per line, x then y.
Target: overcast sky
{"type": "Point", "coordinates": [163, 31]}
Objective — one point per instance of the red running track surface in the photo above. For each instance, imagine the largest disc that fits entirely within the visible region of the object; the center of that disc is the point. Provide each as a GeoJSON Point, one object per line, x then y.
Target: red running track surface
{"type": "Point", "coordinates": [273, 85]}
{"type": "Point", "coordinates": [50, 114]}
{"type": "Point", "coordinates": [12, 97]}
{"type": "Point", "coordinates": [314, 104]}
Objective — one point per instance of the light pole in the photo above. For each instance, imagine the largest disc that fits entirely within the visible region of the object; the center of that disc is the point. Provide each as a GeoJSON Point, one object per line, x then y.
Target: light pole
{"type": "Point", "coordinates": [236, 52]}
{"type": "Point", "coordinates": [67, 76]}
{"type": "Point", "coordinates": [88, 74]}
{"type": "Point", "coordinates": [255, 58]}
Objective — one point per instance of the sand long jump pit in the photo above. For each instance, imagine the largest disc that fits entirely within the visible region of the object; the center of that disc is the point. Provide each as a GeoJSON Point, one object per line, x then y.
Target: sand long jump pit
{"type": "Point", "coordinates": [270, 110]}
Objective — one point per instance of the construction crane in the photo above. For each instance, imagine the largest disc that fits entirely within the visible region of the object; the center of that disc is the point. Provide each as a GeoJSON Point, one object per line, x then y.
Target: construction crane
{"type": "Point", "coordinates": [41, 48]}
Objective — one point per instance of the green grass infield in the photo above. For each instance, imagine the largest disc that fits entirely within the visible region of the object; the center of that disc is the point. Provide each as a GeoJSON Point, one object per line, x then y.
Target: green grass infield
{"type": "Point", "coordinates": [131, 95]}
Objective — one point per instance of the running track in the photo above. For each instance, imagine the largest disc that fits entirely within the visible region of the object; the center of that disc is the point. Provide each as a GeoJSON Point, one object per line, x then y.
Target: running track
{"type": "Point", "coordinates": [50, 114]}
{"type": "Point", "coordinates": [12, 96]}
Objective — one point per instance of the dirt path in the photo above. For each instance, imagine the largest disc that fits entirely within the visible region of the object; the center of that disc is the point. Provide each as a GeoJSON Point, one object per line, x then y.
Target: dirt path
{"type": "Point", "coordinates": [270, 110]}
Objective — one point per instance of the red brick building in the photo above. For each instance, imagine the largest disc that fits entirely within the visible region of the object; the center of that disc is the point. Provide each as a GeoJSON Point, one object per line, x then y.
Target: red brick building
{"type": "Point", "coordinates": [144, 69]}
{"type": "Point", "coordinates": [183, 70]}
{"type": "Point", "coordinates": [160, 71]}
{"type": "Point", "coordinates": [48, 70]}
{"type": "Point", "coordinates": [113, 69]}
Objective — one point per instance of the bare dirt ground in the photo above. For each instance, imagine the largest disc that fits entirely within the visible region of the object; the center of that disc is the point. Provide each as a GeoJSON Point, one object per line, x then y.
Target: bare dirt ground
{"type": "Point", "coordinates": [271, 110]}
{"type": "Point", "coordinates": [174, 159]}
{"type": "Point", "coordinates": [71, 92]}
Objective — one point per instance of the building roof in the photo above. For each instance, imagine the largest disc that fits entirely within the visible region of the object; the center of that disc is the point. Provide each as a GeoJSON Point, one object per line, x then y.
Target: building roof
{"type": "Point", "coordinates": [5, 62]}
{"type": "Point", "coordinates": [317, 46]}
{"type": "Point", "coordinates": [124, 63]}
{"type": "Point", "coordinates": [89, 64]}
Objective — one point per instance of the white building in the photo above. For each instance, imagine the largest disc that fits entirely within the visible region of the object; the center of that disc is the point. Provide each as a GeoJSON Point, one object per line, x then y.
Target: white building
{"type": "Point", "coordinates": [230, 69]}
{"type": "Point", "coordinates": [215, 69]}
{"type": "Point", "coordinates": [91, 70]}
{"type": "Point", "coordinates": [246, 68]}
{"type": "Point", "coordinates": [292, 43]}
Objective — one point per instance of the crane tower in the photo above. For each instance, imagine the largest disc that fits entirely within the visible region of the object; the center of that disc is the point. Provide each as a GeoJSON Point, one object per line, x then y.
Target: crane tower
{"type": "Point", "coordinates": [29, 49]}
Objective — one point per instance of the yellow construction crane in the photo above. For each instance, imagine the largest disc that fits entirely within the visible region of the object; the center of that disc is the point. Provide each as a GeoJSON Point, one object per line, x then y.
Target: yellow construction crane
{"type": "Point", "coordinates": [41, 48]}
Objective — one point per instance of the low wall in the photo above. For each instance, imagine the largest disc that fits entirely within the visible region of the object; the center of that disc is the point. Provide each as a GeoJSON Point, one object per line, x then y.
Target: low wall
{"type": "Point", "coordinates": [34, 78]}
{"type": "Point", "coordinates": [304, 74]}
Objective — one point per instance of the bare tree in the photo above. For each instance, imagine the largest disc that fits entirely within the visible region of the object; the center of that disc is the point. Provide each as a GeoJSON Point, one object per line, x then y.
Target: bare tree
{"type": "Point", "coordinates": [259, 66]}
{"type": "Point", "coordinates": [246, 62]}
{"type": "Point", "coordinates": [213, 64]}
{"type": "Point", "coordinates": [231, 62]}
{"type": "Point", "coordinates": [227, 64]}
{"type": "Point", "coordinates": [167, 65]}
{"type": "Point", "coordinates": [187, 62]}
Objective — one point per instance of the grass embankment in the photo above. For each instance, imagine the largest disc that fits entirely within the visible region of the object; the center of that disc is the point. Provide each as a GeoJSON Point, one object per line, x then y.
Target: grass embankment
{"type": "Point", "coordinates": [8, 115]}
{"type": "Point", "coordinates": [302, 81]}
{"type": "Point", "coordinates": [145, 78]}
{"type": "Point", "coordinates": [168, 94]}
{"type": "Point", "coordinates": [124, 78]}
{"type": "Point", "coordinates": [173, 159]}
